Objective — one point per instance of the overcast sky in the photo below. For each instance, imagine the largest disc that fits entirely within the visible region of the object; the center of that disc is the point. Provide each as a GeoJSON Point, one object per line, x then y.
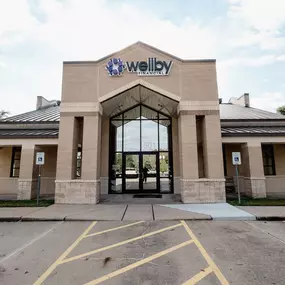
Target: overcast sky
{"type": "Point", "coordinates": [247, 37]}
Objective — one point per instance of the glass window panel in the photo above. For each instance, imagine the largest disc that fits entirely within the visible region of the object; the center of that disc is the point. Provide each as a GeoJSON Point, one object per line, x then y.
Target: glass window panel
{"type": "Point", "coordinates": [161, 116]}
{"type": "Point", "coordinates": [18, 154]}
{"type": "Point", "coordinates": [149, 113]}
{"type": "Point", "coordinates": [132, 136]}
{"type": "Point", "coordinates": [164, 164]}
{"type": "Point", "coordinates": [132, 172]}
{"type": "Point", "coordinates": [163, 134]}
{"type": "Point", "coordinates": [165, 185]}
{"type": "Point", "coordinates": [132, 114]}
{"type": "Point", "coordinates": [17, 164]}
{"type": "Point", "coordinates": [149, 135]}
{"type": "Point", "coordinates": [268, 159]}
{"type": "Point", "coordinates": [16, 172]}
{"type": "Point", "coordinates": [119, 117]}
{"type": "Point", "coordinates": [117, 133]}
{"type": "Point", "coordinates": [116, 173]}
{"type": "Point", "coordinates": [119, 137]}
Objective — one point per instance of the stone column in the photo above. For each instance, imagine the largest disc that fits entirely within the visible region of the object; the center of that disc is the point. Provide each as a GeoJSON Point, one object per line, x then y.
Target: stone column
{"type": "Point", "coordinates": [213, 158]}
{"type": "Point", "coordinates": [211, 188]}
{"type": "Point", "coordinates": [66, 161]}
{"type": "Point", "coordinates": [66, 156]}
{"type": "Point", "coordinates": [91, 158]}
{"type": "Point", "coordinates": [254, 180]}
{"type": "Point", "coordinates": [188, 157]}
{"type": "Point", "coordinates": [27, 181]}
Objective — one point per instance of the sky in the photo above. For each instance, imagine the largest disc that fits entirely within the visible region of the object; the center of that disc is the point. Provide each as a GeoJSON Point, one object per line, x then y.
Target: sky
{"type": "Point", "coordinates": [247, 37]}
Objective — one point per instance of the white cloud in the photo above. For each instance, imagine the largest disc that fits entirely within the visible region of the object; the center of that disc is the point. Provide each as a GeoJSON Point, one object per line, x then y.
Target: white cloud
{"type": "Point", "coordinates": [262, 15]}
{"type": "Point", "coordinates": [32, 48]}
{"type": "Point", "coordinates": [259, 23]}
{"type": "Point", "coordinates": [253, 61]}
{"type": "Point", "coordinates": [268, 101]}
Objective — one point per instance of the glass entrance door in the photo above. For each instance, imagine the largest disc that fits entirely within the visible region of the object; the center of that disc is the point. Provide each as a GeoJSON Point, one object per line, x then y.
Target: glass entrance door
{"type": "Point", "coordinates": [131, 173]}
{"type": "Point", "coordinates": [149, 172]}
{"type": "Point", "coordinates": [140, 172]}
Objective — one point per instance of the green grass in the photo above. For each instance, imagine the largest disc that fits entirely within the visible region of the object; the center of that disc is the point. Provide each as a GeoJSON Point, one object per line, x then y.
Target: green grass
{"type": "Point", "coordinates": [257, 202]}
{"type": "Point", "coordinates": [25, 203]}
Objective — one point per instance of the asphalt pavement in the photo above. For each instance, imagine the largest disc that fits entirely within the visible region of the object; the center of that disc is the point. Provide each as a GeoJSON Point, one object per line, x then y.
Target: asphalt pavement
{"type": "Point", "coordinates": [142, 252]}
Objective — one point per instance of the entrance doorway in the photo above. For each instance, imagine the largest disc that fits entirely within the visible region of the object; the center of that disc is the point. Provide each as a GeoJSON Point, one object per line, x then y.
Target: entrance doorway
{"type": "Point", "coordinates": [140, 172]}
{"type": "Point", "coordinates": [140, 152]}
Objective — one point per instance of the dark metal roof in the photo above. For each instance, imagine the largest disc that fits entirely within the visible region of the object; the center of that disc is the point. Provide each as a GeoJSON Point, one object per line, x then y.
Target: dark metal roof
{"type": "Point", "coordinates": [253, 131]}
{"type": "Point", "coordinates": [236, 112]}
{"type": "Point", "coordinates": [32, 124]}
{"type": "Point", "coordinates": [49, 114]}
{"type": "Point", "coordinates": [227, 112]}
{"type": "Point", "coordinates": [28, 133]}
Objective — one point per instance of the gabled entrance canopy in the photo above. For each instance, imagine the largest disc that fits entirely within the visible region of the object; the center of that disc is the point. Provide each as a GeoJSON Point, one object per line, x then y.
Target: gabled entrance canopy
{"type": "Point", "coordinates": [139, 95]}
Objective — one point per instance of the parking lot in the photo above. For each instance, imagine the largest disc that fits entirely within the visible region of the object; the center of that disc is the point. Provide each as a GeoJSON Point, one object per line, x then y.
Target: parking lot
{"type": "Point", "coordinates": [166, 252]}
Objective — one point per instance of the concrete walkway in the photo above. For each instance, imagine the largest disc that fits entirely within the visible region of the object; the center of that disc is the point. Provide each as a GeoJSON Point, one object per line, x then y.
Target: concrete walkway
{"type": "Point", "coordinates": [149, 212]}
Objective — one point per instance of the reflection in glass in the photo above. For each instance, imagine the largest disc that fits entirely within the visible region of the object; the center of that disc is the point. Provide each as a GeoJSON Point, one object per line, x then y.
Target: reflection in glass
{"type": "Point", "coordinates": [116, 133]}
{"type": "Point", "coordinates": [116, 173]}
{"type": "Point", "coordinates": [132, 136]}
{"type": "Point", "coordinates": [132, 114]}
{"type": "Point", "coordinates": [163, 164]}
{"type": "Point", "coordinates": [163, 134]}
{"type": "Point", "coordinates": [148, 113]}
{"type": "Point", "coordinates": [149, 135]}
{"type": "Point", "coordinates": [149, 172]}
{"type": "Point", "coordinates": [132, 172]}
{"type": "Point", "coordinates": [139, 151]}
{"type": "Point", "coordinates": [165, 185]}
{"type": "Point", "coordinates": [119, 142]}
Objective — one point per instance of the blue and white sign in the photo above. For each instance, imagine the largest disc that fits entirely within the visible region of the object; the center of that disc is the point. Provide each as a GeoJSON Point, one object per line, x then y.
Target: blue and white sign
{"type": "Point", "coordinates": [236, 157]}
{"type": "Point", "coordinates": [150, 67]}
{"type": "Point", "coordinates": [40, 158]}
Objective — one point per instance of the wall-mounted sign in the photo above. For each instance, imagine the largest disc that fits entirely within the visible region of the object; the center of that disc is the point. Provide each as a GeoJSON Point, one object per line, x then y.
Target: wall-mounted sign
{"type": "Point", "coordinates": [150, 67]}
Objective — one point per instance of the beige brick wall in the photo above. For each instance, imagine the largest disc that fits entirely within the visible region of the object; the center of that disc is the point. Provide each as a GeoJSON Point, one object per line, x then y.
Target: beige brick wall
{"type": "Point", "coordinates": [279, 156]}
{"type": "Point", "coordinates": [5, 161]}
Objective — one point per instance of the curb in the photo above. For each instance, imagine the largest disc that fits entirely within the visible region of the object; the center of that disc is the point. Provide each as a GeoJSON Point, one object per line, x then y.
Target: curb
{"type": "Point", "coordinates": [10, 219]}
{"type": "Point", "coordinates": [230, 219]}
{"type": "Point", "coordinates": [272, 218]}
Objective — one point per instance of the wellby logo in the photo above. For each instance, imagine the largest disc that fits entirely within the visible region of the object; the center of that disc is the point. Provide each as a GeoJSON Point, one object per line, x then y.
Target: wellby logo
{"type": "Point", "coordinates": [115, 67]}
{"type": "Point", "coordinates": [150, 67]}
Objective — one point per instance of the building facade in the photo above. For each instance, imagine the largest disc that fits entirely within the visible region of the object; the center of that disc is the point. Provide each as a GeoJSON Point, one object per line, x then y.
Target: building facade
{"type": "Point", "coordinates": [142, 121]}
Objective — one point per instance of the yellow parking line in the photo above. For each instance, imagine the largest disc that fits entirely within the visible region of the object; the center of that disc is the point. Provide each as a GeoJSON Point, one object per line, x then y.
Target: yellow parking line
{"type": "Point", "coordinates": [198, 277]}
{"type": "Point", "coordinates": [63, 256]}
{"type": "Point", "coordinates": [114, 229]}
{"type": "Point", "coordinates": [211, 263]}
{"type": "Point", "coordinates": [138, 263]}
{"type": "Point", "coordinates": [118, 244]}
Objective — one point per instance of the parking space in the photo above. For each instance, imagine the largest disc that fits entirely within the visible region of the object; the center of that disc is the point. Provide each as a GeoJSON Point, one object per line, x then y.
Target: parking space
{"type": "Point", "coordinates": [142, 252]}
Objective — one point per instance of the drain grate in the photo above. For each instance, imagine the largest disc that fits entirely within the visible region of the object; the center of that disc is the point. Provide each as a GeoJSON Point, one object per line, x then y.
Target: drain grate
{"type": "Point", "coordinates": [148, 196]}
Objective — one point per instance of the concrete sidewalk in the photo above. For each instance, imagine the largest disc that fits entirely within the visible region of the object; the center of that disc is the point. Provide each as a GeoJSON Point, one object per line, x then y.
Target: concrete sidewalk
{"type": "Point", "coordinates": [148, 212]}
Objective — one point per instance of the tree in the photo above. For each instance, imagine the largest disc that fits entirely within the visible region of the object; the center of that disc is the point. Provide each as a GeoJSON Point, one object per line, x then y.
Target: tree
{"type": "Point", "coordinates": [281, 110]}
{"type": "Point", "coordinates": [147, 164]}
{"type": "Point", "coordinates": [3, 114]}
{"type": "Point", "coordinates": [130, 162]}
{"type": "Point", "coordinates": [163, 166]}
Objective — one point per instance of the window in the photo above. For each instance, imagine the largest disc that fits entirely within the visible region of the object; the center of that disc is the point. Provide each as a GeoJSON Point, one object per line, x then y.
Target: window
{"type": "Point", "coordinates": [15, 162]}
{"type": "Point", "coordinates": [268, 159]}
{"type": "Point", "coordinates": [78, 161]}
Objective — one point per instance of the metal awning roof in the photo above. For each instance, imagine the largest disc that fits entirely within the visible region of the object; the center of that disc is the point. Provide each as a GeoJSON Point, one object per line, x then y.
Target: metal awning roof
{"type": "Point", "coordinates": [44, 115]}
{"type": "Point", "coordinates": [253, 131]}
{"type": "Point", "coordinates": [227, 112]}
{"type": "Point", "coordinates": [28, 133]}
{"type": "Point", "coordinates": [236, 112]}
